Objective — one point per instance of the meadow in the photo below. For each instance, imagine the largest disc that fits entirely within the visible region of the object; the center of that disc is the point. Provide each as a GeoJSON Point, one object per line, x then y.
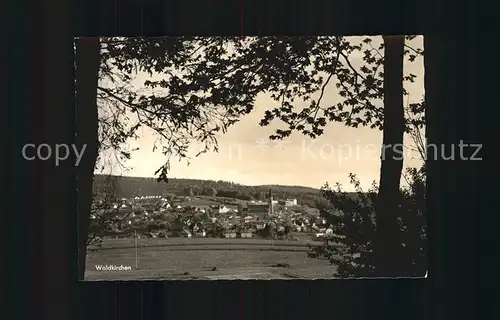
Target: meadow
{"type": "Point", "coordinates": [184, 258]}
{"type": "Point", "coordinates": [111, 244]}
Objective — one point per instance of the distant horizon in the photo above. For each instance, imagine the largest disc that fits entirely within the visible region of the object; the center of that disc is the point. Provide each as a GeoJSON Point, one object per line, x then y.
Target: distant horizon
{"type": "Point", "coordinates": [204, 179]}
{"type": "Point", "coordinates": [246, 155]}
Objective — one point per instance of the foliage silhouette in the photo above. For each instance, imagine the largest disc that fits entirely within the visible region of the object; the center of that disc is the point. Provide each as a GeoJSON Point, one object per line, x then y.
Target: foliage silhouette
{"type": "Point", "coordinates": [207, 84]}
{"type": "Point", "coordinates": [104, 214]}
{"type": "Point", "coordinates": [354, 227]}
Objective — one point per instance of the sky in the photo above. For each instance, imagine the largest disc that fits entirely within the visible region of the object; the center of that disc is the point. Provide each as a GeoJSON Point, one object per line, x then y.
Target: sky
{"type": "Point", "coordinates": [246, 156]}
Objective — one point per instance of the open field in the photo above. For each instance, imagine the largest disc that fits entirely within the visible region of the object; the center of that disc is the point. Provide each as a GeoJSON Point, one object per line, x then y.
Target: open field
{"type": "Point", "coordinates": [112, 244]}
{"type": "Point", "coordinates": [183, 258]}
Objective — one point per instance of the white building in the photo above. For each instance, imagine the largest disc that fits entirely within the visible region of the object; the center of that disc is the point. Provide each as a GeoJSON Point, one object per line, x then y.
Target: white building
{"type": "Point", "coordinates": [166, 206]}
{"type": "Point", "coordinates": [201, 234]}
{"type": "Point", "coordinates": [230, 234]}
{"type": "Point", "coordinates": [223, 209]}
{"type": "Point", "coordinates": [329, 232]}
{"type": "Point", "coordinates": [247, 234]}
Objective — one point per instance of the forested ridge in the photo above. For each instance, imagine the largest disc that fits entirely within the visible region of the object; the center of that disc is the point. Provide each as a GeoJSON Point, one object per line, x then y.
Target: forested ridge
{"type": "Point", "coordinates": [126, 187]}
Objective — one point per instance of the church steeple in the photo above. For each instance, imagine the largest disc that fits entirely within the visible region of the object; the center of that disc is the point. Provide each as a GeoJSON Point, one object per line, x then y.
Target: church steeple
{"type": "Point", "coordinates": [271, 209]}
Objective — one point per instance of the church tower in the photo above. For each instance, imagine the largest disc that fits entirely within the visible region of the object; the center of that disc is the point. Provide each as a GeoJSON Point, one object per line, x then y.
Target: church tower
{"type": "Point", "coordinates": [271, 205]}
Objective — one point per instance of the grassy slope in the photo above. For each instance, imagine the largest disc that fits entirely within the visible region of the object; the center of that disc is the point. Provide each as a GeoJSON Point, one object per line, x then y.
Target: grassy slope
{"type": "Point", "coordinates": [111, 244]}
{"type": "Point", "coordinates": [172, 261]}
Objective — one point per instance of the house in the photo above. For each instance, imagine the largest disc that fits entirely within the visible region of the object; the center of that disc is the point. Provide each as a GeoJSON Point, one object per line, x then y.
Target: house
{"type": "Point", "coordinates": [223, 209]}
{"type": "Point", "coordinates": [328, 232]}
{"type": "Point", "coordinates": [229, 233]}
{"type": "Point", "coordinates": [247, 233]}
{"type": "Point", "coordinates": [320, 221]}
{"type": "Point", "coordinates": [166, 205]}
{"type": "Point", "coordinates": [196, 228]}
{"type": "Point", "coordinates": [261, 226]}
{"type": "Point", "coordinates": [300, 227]}
{"type": "Point", "coordinates": [200, 234]}
{"type": "Point", "coordinates": [249, 219]}
{"type": "Point", "coordinates": [200, 207]}
{"type": "Point", "coordinates": [290, 202]}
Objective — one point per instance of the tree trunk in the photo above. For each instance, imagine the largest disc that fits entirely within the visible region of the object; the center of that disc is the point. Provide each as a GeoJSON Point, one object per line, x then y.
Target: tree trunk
{"type": "Point", "coordinates": [387, 243]}
{"type": "Point", "coordinates": [87, 60]}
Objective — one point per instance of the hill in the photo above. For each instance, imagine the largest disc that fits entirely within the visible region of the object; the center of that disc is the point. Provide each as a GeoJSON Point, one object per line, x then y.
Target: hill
{"type": "Point", "coordinates": [290, 188]}
{"type": "Point", "coordinates": [126, 187]}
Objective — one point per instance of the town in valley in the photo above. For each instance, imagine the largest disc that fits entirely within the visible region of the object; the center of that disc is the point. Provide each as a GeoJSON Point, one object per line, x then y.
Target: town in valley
{"type": "Point", "coordinates": [258, 221]}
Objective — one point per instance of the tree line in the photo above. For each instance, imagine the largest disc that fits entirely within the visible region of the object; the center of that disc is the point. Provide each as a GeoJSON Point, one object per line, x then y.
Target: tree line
{"type": "Point", "coordinates": [126, 187]}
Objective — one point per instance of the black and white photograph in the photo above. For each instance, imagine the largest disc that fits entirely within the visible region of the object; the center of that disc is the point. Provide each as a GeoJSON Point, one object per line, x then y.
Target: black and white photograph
{"type": "Point", "coordinates": [241, 158]}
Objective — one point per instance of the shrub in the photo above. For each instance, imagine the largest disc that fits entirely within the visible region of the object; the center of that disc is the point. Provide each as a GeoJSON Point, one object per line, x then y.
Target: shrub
{"type": "Point", "coordinates": [104, 216]}
{"type": "Point", "coordinates": [353, 223]}
{"type": "Point", "coordinates": [153, 227]}
{"type": "Point", "coordinates": [270, 231]}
